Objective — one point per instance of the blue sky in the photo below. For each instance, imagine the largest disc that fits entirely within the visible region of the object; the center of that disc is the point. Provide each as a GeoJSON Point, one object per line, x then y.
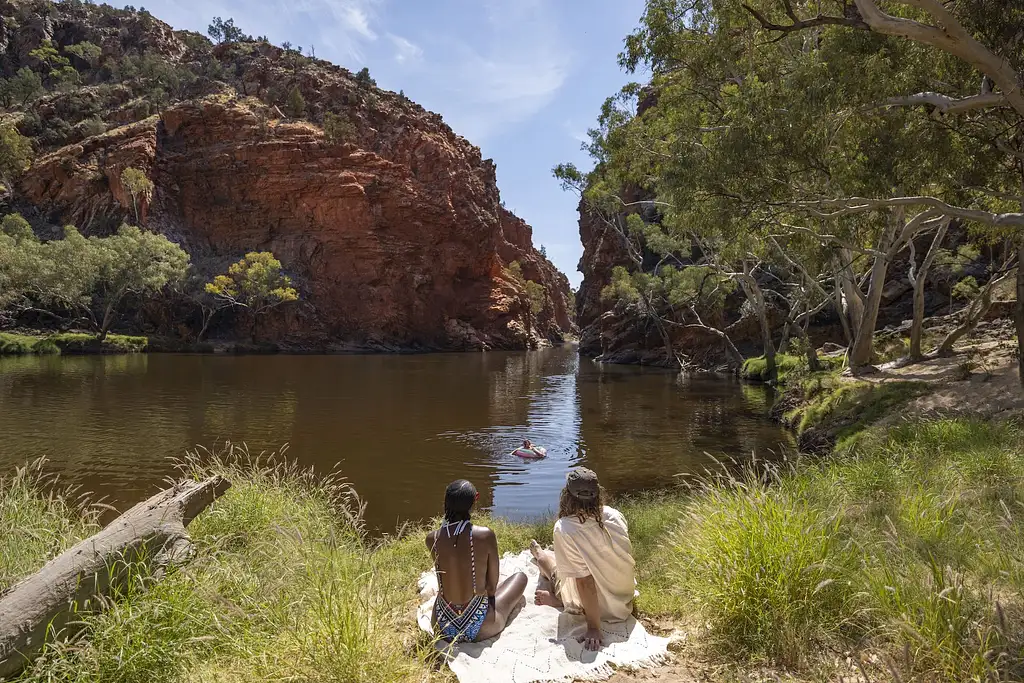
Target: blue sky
{"type": "Point", "coordinates": [522, 79]}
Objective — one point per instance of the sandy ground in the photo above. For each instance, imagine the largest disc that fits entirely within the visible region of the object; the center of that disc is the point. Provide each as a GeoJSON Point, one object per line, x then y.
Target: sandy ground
{"type": "Point", "coordinates": [981, 379]}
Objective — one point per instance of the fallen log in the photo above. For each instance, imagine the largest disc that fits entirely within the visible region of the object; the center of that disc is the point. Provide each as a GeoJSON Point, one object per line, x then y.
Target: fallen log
{"type": "Point", "coordinates": [44, 607]}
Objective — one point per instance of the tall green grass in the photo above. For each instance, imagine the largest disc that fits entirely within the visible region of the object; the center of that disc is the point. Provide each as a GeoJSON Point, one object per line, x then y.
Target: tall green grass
{"type": "Point", "coordinates": [38, 521]}
{"type": "Point", "coordinates": [905, 548]}
{"type": "Point", "coordinates": [283, 586]}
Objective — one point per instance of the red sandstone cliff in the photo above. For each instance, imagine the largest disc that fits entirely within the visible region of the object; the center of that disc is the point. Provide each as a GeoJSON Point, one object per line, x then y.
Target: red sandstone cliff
{"type": "Point", "coordinates": [393, 231]}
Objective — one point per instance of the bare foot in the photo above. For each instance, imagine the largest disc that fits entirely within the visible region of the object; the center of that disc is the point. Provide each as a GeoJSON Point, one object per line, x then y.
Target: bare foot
{"type": "Point", "coordinates": [548, 599]}
{"type": "Point", "coordinates": [535, 549]}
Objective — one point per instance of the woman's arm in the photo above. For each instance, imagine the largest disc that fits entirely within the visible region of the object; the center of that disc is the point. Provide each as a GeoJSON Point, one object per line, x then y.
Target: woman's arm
{"type": "Point", "coordinates": [493, 567]}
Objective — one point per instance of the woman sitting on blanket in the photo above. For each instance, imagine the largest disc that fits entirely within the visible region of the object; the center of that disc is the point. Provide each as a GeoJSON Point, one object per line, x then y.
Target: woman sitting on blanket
{"type": "Point", "coordinates": [470, 605]}
{"type": "Point", "coordinates": [592, 568]}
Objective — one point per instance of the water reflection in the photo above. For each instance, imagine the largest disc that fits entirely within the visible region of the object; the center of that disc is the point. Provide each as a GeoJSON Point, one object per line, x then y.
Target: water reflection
{"type": "Point", "coordinates": [398, 427]}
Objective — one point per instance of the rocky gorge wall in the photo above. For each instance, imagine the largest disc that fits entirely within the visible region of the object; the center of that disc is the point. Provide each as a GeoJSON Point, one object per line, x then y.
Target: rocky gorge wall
{"type": "Point", "coordinates": [393, 230]}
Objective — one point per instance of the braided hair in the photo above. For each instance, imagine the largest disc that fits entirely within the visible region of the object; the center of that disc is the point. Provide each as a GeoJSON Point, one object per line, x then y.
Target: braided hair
{"type": "Point", "coordinates": [459, 498]}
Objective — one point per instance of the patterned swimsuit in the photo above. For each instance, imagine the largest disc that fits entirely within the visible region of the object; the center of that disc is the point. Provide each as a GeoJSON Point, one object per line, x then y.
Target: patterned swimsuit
{"type": "Point", "coordinates": [458, 623]}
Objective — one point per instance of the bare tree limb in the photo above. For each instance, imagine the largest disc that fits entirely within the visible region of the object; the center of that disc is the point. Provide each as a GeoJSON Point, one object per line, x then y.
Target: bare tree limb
{"type": "Point", "coordinates": [837, 208]}
{"type": "Point", "coordinates": [944, 104]}
{"type": "Point", "coordinates": [801, 24]}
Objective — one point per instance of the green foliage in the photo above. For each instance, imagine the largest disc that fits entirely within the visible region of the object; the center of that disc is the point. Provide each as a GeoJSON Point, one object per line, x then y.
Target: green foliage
{"type": "Point", "coordinates": [876, 547]}
{"type": "Point", "coordinates": [91, 127]}
{"type": "Point", "coordinates": [36, 526]}
{"type": "Point", "coordinates": [279, 585]}
{"type": "Point", "coordinates": [21, 88]}
{"type": "Point", "coordinates": [57, 67]}
{"type": "Point", "coordinates": [966, 289]}
{"type": "Point", "coordinates": [16, 345]}
{"type": "Point", "coordinates": [77, 342]}
{"type": "Point", "coordinates": [139, 186]}
{"type": "Point", "coordinates": [225, 31]}
{"type": "Point", "coordinates": [159, 79]}
{"type": "Point", "coordinates": [844, 408]}
{"type": "Point", "coordinates": [757, 368]}
{"type": "Point", "coordinates": [515, 271]}
{"type": "Point", "coordinates": [87, 52]}
{"type": "Point", "coordinates": [15, 153]}
{"type": "Point", "coordinates": [723, 157]}
{"type": "Point", "coordinates": [80, 276]}
{"type": "Point", "coordinates": [16, 227]}
{"type": "Point", "coordinates": [255, 282]}
{"type": "Point", "coordinates": [364, 80]}
{"type": "Point", "coordinates": [537, 296]}
{"type": "Point", "coordinates": [295, 105]}
{"type": "Point", "coordinates": [134, 262]}
{"type": "Point", "coordinates": [338, 128]}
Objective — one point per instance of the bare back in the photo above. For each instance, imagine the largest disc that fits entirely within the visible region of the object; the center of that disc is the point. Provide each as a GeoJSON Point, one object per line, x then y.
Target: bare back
{"type": "Point", "coordinates": [455, 568]}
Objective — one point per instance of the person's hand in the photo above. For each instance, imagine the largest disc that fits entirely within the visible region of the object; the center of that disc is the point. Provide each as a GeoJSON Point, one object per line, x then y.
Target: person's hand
{"type": "Point", "coordinates": [591, 639]}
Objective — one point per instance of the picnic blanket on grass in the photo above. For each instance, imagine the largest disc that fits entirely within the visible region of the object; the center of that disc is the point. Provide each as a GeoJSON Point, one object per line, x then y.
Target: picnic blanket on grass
{"type": "Point", "coordinates": [539, 643]}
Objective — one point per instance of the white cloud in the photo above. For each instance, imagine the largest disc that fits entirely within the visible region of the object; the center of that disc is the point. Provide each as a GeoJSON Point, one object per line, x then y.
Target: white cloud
{"type": "Point", "coordinates": [405, 50]}
{"type": "Point", "coordinates": [516, 70]}
{"type": "Point", "coordinates": [576, 133]}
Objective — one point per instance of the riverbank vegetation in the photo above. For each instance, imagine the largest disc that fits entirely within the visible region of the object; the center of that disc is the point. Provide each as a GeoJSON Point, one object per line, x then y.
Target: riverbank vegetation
{"type": "Point", "coordinates": [78, 280]}
{"type": "Point", "coordinates": [903, 551]}
{"type": "Point", "coordinates": [800, 164]}
{"type": "Point", "coordinates": [69, 342]}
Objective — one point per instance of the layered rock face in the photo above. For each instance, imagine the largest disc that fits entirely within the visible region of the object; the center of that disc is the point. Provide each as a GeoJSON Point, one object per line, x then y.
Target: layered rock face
{"type": "Point", "coordinates": [393, 230]}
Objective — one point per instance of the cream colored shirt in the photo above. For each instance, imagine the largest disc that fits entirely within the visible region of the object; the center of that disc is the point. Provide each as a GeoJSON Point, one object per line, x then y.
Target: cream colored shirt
{"type": "Point", "coordinates": [585, 549]}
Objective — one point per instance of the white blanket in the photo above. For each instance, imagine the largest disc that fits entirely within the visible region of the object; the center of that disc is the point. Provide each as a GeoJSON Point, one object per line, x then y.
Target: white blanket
{"type": "Point", "coordinates": [539, 643]}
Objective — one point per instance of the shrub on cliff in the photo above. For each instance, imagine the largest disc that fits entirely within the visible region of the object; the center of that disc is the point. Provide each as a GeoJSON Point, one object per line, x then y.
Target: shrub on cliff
{"type": "Point", "coordinates": [254, 283]}
{"type": "Point", "coordinates": [20, 88]}
{"type": "Point", "coordinates": [364, 79]}
{"type": "Point", "coordinates": [295, 105]}
{"type": "Point", "coordinates": [138, 185]}
{"type": "Point", "coordinates": [15, 153]}
{"type": "Point", "coordinates": [338, 128]}
{"type": "Point", "coordinates": [537, 295]}
{"type": "Point", "coordinates": [225, 31]}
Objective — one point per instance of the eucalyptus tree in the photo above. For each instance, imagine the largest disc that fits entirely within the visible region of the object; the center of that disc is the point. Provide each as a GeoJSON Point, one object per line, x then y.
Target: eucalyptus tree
{"type": "Point", "coordinates": [749, 134]}
{"type": "Point", "coordinates": [982, 41]}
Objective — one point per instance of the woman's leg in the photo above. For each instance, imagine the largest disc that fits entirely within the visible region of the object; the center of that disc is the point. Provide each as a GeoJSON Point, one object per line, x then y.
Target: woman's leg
{"type": "Point", "coordinates": [545, 560]}
{"type": "Point", "coordinates": [505, 599]}
{"type": "Point", "coordinates": [546, 563]}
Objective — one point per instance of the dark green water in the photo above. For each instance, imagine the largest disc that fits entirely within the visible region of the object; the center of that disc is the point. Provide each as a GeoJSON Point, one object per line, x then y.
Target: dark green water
{"type": "Point", "coordinates": [399, 428]}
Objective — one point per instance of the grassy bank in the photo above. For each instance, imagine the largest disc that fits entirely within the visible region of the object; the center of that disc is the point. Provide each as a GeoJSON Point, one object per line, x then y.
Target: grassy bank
{"type": "Point", "coordinates": [69, 342]}
{"type": "Point", "coordinates": [906, 548]}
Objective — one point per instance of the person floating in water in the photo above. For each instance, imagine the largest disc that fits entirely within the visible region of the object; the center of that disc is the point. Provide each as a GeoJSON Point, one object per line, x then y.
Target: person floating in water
{"type": "Point", "coordinates": [592, 567]}
{"type": "Point", "coordinates": [471, 605]}
{"type": "Point", "coordinates": [528, 450]}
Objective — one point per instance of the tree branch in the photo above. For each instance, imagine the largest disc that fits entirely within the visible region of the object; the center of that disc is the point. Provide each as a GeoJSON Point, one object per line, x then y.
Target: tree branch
{"type": "Point", "coordinates": [801, 24]}
{"type": "Point", "coordinates": [944, 104]}
{"type": "Point", "coordinates": [950, 37]}
{"type": "Point", "coordinates": [837, 208]}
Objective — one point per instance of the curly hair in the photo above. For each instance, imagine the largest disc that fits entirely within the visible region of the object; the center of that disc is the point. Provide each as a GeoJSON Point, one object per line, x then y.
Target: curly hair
{"type": "Point", "coordinates": [571, 506]}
